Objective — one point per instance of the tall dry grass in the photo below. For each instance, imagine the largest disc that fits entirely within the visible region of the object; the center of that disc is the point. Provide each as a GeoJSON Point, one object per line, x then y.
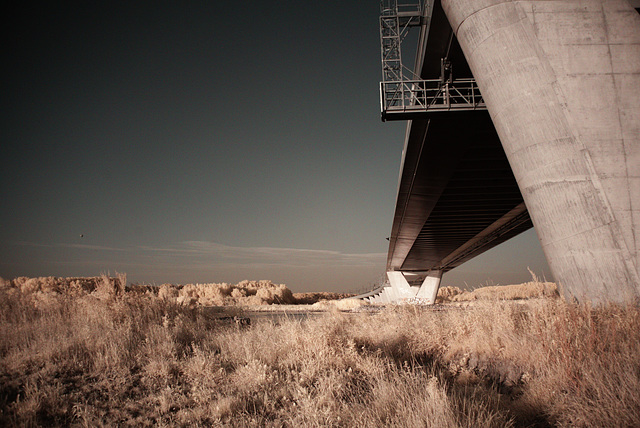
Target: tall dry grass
{"type": "Point", "coordinates": [133, 359]}
{"type": "Point", "coordinates": [529, 290]}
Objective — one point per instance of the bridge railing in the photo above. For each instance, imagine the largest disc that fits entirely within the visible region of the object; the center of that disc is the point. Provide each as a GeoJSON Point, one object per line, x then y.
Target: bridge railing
{"type": "Point", "coordinates": [402, 98]}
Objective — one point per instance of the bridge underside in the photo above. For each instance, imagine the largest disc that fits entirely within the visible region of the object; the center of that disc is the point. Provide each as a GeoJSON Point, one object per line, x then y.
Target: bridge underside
{"type": "Point", "coordinates": [457, 196]}
{"type": "Point", "coordinates": [560, 82]}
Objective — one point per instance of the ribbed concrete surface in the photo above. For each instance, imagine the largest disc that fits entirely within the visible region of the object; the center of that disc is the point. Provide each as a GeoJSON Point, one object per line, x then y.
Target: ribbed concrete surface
{"type": "Point", "coordinates": [561, 80]}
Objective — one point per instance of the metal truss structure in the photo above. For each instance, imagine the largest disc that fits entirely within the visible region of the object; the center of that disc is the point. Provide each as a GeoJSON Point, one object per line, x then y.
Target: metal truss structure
{"type": "Point", "coordinates": [403, 93]}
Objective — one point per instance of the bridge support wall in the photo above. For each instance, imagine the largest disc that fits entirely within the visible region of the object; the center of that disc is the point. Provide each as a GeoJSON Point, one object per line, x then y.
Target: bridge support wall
{"type": "Point", "coordinates": [400, 288]}
{"type": "Point", "coordinates": [561, 80]}
{"type": "Point", "coordinates": [430, 286]}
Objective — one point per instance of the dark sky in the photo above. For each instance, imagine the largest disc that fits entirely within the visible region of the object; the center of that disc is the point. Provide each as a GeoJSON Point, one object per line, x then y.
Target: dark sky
{"type": "Point", "coordinates": [204, 142]}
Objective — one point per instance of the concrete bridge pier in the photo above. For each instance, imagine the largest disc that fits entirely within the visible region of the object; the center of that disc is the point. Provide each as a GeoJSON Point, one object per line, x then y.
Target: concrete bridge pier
{"type": "Point", "coordinates": [400, 290]}
{"type": "Point", "coordinates": [426, 292]}
{"type": "Point", "coordinates": [400, 286]}
{"type": "Point", "coordinates": [430, 286]}
{"type": "Point", "coordinates": [561, 81]}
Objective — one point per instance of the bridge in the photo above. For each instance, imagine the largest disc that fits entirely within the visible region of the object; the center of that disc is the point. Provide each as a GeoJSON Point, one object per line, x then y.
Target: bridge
{"type": "Point", "coordinates": [519, 113]}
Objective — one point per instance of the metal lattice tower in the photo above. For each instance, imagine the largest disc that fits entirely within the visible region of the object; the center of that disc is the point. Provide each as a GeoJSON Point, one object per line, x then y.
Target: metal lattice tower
{"type": "Point", "coordinates": [395, 21]}
{"type": "Point", "coordinates": [403, 93]}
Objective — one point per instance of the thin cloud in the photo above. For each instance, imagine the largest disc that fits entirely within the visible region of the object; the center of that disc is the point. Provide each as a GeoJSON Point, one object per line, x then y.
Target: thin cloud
{"type": "Point", "coordinates": [76, 246]}
{"type": "Point", "coordinates": [212, 254]}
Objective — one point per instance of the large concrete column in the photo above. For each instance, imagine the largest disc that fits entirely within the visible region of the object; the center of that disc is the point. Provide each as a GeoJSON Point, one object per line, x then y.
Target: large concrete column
{"type": "Point", "coordinates": [561, 80]}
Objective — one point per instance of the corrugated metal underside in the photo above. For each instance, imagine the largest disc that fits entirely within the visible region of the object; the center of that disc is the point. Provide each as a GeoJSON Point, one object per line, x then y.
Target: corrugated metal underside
{"type": "Point", "coordinates": [457, 195]}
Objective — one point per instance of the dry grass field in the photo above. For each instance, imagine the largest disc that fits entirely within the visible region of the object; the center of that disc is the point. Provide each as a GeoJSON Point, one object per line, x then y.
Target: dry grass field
{"type": "Point", "coordinates": [95, 353]}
